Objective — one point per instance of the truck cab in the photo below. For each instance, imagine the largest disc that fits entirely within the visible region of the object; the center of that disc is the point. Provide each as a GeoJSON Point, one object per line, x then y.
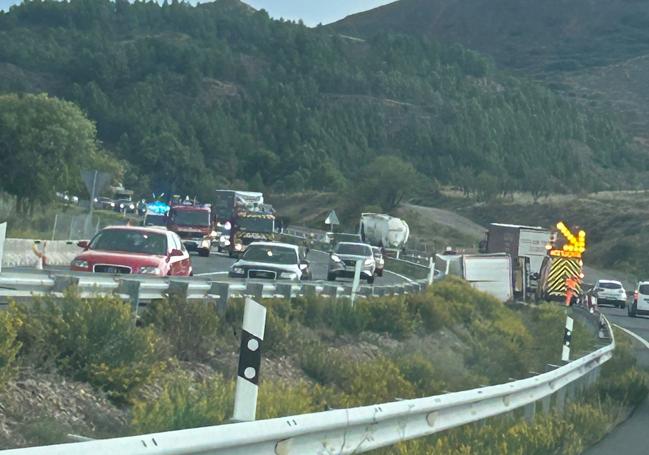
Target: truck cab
{"type": "Point", "coordinates": [248, 227]}
{"type": "Point", "coordinates": [193, 224]}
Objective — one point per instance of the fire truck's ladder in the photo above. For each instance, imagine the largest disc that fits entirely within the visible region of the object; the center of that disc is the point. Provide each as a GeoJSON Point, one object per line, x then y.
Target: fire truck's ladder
{"type": "Point", "coordinates": [560, 270]}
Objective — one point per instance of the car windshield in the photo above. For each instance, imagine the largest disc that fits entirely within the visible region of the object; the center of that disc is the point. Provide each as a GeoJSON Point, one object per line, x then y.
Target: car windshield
{"type": "Point", "coordinates": [190, 217]}
{"type": "Point", "coordinates": [353, 249]}
{"type": "Point", "coordinates": [130, 241]}
{"type": "Point", "coordinates": [610, 286]}
{"type": "Point", "coordinates": [644, 289]}
{"type": "Point", "coordinates": [270, 254]}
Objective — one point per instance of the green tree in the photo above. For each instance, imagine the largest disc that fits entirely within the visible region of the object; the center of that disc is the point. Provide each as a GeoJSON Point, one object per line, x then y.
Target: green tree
{"type": "Point", "coordinates": [386, 181]}
{"type": "Point", "coordinates": [44, 144]}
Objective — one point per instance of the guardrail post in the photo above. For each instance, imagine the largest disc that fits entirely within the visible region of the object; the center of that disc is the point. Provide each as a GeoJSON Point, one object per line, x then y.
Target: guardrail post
{"type": "Point", "coordinates": [561, 399]}
{"type": "Point", "coordinates": [252, 335]}
{"type": "Point", "coordinates": [330, 290]}
{"type": "Point", "coordinates": [223, 291]}
{"type": "Point", "coordinates": [546, 404]}
{"type": "Point", "coordinates": [529, 411]}
{"type": "Point", "coordinates": [178, 289]}
{"type": "Point", "coordinates": [130, 288]}
{"type": "Point", "coordinates": [256, 290]}
{"type": "Point", "coordinates": [379, 291]}
{"type": "Point", "coordinates": [309, 290]}
{"type": "Point", "coordinates": [285, 290]}
{"type": "Point", "coordinates": [62, 283]}
{"type": "Point", "coordinates": [357, 279]}
{"type": "Point", "coordinates": [3, 235]}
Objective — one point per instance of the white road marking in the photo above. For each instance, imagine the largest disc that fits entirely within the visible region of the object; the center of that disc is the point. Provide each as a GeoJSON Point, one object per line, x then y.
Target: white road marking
{"type": "Point", "coordinates": [634, 335]}
{"type": "Point", "coordinates": [403, 277]}
{"type": "Point", "coordinates": [210, 273]}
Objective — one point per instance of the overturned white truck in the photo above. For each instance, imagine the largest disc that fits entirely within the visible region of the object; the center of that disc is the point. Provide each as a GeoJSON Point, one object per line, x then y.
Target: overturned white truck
{"type": "Point", "coordinates": [383, 230]}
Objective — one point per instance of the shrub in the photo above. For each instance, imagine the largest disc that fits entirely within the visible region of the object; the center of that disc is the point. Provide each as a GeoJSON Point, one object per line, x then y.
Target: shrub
{"type": "Point", "coordinates": [93, 340]}
{"type": "Point", "coordinates": [190, 327]}
{"type": "Point", "coordinates": [278, 399]}
{"type": "Point", "coordinates": [185, 403]}
{"type": "Point", "coordinates": [10, 324]}
{"type": "Point", "coordinates": [421, 373]}
{"type": "Point", "coordinates": [390, 315]}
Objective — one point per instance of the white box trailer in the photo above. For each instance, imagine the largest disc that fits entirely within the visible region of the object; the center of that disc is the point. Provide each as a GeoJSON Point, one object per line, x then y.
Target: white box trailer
{"type": "Point", "coordinates": [517, 240]}
{"type": "Point", "coordinates": [490, 273]}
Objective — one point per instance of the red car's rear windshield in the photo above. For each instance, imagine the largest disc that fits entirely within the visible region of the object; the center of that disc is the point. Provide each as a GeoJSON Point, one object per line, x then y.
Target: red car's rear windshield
{"type": "Point", "coordinates": [130, 241]}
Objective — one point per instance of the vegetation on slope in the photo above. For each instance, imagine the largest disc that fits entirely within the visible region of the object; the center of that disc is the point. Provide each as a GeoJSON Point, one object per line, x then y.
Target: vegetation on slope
{"type": "Point", "coordinates": [177, 370]}
{"type": "Point", "coordinates": [192, 98]}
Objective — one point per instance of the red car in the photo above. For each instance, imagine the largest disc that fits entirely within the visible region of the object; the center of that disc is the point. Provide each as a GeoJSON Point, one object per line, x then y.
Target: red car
{"type": "Point", "coordinates": [136, 250]}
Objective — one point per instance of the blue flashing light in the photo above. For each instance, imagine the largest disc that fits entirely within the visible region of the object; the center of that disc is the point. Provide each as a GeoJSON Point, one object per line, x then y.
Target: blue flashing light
{"type": "Point", "coordinates": [157, 208]}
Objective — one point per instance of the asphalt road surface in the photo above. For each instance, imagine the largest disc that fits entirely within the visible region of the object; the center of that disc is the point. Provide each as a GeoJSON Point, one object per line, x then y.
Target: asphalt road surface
{"type": "Point", "coordinates": [631, 437]}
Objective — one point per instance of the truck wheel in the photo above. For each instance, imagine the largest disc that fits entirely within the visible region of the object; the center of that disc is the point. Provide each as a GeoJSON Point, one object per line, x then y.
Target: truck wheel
{"type": "Point", "coordinates": [204, 252]}
{"type": "Point", "coordinates": [370, 279]}
{"type": "Point", "coordinates": [331, 277]}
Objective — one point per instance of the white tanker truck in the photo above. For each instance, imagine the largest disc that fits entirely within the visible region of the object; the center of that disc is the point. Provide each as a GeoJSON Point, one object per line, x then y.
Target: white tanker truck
{"type": "Point", "coordinates": [383, 230]}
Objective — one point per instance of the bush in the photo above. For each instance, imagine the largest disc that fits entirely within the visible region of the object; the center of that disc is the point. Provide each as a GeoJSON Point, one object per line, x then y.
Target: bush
{"type": "Point", "coordinates": [278, 399]}
{"type": "Point", "coordinates": [92, 340]}
{"type": "Point", "coordinates": [189, 327]}
{"type": "Point", "coordinates": [10, 324]}
{"type": "Point", "coordinates": [421, 373]}
{"type": "Point", "coordinates": [185, 403]}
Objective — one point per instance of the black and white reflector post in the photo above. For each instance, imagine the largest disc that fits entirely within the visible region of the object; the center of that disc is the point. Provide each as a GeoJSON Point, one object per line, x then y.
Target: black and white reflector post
{"type": "Point", "coordinates": [567, 337]}
{"type": "Point", "coordinates": [252, 334]}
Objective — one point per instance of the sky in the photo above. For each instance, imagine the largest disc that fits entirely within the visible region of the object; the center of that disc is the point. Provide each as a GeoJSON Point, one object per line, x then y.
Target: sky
{"type": "Point", "coordinates": [312, 12]}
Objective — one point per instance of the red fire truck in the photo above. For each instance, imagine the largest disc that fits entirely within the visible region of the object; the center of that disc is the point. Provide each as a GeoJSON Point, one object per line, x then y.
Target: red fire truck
{"type": "Point", "coordinates": [193, 224]}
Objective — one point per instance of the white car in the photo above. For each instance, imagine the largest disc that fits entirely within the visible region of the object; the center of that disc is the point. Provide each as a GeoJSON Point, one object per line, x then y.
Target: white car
{"type": "Point", "coordinates": [342, 261]}
{"type": "Point", "coordinates": [272, 261]}
{"type": "Point", "coordinates": [640, 304]}
{"type": "Point", "coordinates": [610, 292]}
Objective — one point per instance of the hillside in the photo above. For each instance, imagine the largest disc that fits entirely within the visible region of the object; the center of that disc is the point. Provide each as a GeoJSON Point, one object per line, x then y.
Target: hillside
{"type": "Point", "coordinates": [191, 98]}
{"type": "Point", "coordinates": [587, 49]}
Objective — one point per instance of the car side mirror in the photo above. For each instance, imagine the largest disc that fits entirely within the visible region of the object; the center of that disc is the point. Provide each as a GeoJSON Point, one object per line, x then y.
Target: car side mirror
{"type": "Point", "coordinates": [175, 253]}
{"type": "Point", "coordinates": [83, 244]}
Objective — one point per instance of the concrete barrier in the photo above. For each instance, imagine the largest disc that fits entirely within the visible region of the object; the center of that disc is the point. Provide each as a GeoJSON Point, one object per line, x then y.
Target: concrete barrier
{"type": "Point", "coordinates": [19, 253]}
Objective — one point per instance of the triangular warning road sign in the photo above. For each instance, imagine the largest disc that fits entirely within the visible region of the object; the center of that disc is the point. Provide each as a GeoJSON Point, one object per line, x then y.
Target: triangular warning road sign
{"type": "Point", "coordinates": [332, 219]}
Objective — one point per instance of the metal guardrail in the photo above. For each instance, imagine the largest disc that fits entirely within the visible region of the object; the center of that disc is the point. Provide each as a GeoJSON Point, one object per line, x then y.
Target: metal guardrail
{"type": "Point", "coordinates": [354, 430]}
{"type": "Point", "coordinates": [20, 285]}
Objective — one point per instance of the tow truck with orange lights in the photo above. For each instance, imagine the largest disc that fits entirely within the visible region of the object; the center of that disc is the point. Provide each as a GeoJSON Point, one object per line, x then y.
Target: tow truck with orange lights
{"type": "Point", "coordinates": [563, 261]}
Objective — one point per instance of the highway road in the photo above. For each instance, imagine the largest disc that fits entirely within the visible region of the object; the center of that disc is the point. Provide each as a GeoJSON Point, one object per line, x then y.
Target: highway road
{"type": "Point", "coordinates": [630, 437]}
{"type": "Point", "coordinates": [216, 266]}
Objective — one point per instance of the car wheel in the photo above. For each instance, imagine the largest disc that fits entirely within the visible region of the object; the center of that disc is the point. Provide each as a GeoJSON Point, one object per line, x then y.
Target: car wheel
{"type": "Point", "coordinates": [623, 305]}
{"type": "Point", "coordinates": [331, 276]}
{"type": "Point", "coordinates": [379, 273]}
{"type": "Point", "coordinates": [204, 252]}
{"type": "Point", "coordinates": [370, 279]}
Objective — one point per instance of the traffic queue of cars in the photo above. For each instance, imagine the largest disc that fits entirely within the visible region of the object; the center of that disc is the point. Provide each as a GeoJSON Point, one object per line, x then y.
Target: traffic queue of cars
{"type": "Point", "coordinates": [612, 292]}
{"type": "Point", "coordinates": [158, 251]}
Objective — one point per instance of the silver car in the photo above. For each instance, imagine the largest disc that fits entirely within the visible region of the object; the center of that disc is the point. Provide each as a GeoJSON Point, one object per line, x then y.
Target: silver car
{"type": "Point", "coordinates": [342, 261]}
